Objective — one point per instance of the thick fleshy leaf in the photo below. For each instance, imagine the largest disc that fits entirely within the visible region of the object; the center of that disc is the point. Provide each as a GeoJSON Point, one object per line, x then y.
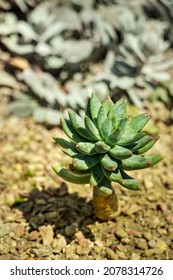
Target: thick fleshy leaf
{"type": "Point", "coordinates": [65, 143]}
{"type": "Point", "coordinates": [108, 163]}
{"type": "Point", "coordinates": [86, 148]}
{"type": "Point", "coordinates": [142, 142]}
{"type": "Point", "coordinates": [119, 152]}
{"type": "Point", "coordinates": [128, 182]}
{"type": "Point", "coordinates": [70, 152]}
{"type": "Point", "coordinates": [79, 172]}
{"type": "Point", "coordinates": [105, 188]}
{"type": "Point", "coordinates": [76, 120]}
{"type": "Point", "coordinates": [114, 137]}
{"type": "Point", "coordinates": [147, 147]}
{"type": "Point", "coordinates": [78, 124]}
{"type": "Point", "coordinates": [118, 111]}
{"type": "Point", "coordinates": [128, 139]}
{"type": "Point", "coordinates": [139, 162]}
{"type": "Point", "coordinates": [83, 162]}
{"type": "Point", "coordinates": [95, 105]}
{"type": "Point", "coordinates": [91, 129]}
{"type": "Point", "coordinates": [106, 128]}
{"type": "Point", "coordinates": [102, 147]}
{"type": "Point", "coordinates": [70, 176]}
{"type": "Point", "coordinates": [135, 124]}
{"type": "Point", "coordinates": [103, 112]}
{"type": "Point", "coordinates": [108, 103]}
{"type": "Point", "coordinates": [87, 107]}
{"type": "Point", "coordinates": [114, 176]}
{"type": "Point", "coordinates": [70, 131]}
{"type": "Point", "coordinates": [97, 175]}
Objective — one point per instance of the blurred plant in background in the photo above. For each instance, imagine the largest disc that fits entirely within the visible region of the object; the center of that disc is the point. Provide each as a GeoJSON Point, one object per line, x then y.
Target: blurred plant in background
{"type": "Point", "coordinates": [55, 53]}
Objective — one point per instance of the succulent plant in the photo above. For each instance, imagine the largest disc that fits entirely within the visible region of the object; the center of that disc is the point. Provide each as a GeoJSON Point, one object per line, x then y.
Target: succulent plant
{"type": "Point", "coordinates": [103, 144]}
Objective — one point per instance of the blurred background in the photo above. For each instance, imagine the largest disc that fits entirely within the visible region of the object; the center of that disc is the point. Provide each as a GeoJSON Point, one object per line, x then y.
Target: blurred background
{"type": "Point", "coordinates": [54, 53]}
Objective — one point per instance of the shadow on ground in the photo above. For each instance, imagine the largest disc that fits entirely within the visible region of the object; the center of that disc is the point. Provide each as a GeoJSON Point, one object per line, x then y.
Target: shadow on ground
{"type": "Point", "coordinates": [67, 213]}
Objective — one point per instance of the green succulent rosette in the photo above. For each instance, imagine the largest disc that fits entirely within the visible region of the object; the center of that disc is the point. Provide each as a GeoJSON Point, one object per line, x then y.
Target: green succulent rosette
{"type": "Point", "coordinates": [104, 144]}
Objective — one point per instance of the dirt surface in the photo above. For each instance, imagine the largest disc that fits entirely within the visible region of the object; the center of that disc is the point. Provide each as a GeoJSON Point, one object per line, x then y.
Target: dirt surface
{"type": "Point", "coordinates": [42, 217]}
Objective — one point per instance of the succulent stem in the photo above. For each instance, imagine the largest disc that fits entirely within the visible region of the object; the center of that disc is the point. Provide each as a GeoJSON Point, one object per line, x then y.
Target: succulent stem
{"type": "Point", "coordinates": [105, 207]}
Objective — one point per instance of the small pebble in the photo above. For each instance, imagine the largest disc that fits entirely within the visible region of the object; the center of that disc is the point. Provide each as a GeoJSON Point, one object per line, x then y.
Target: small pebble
{"type": "Point", "coordinates": [147, 235]}
{"type": "Point", "coordinates": [69, 252]}
{"type": "Point", "coordinates": [71, 230]}
{"type": "Point", "coordinates": [80, 238]}
{"type": "Point", "coordinates": [43, 251]}
{"type": "Point", "coordinates": [59, 243]}
{"type": "Point", "coordinates": [141, 244]}
{"type": "Point", "coordinates": [4, 230]}
{"type": "Point", "coordinates": [33, 235]}
{"type": "Point", "coordinates": [125, 240]}
{"type": "Point", "coordinates": [135, 256]}
{"type": "Point", "coordinates": [161, 245]}
{"type": "Point", "coordinates": [19, 230]}
{"type": "Point", "coordinates": [111, 254]}
{"type": "Point", "coordinates": [120, 233]}
{"type": "Point", "coordinates": [121, 248]}
{"type": "Point", "coordinates": [23, 256]}
{"type": "Point", "coordinates": [121, 255]}
{"type": "Point", "coordinates": [52, 216]}
{"type": "Point", "coordinates": [152, 243]}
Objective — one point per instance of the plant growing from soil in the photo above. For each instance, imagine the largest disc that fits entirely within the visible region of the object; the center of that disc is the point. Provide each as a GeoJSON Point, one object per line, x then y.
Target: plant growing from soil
{"type": "Point", "coordinates": [103, 145]}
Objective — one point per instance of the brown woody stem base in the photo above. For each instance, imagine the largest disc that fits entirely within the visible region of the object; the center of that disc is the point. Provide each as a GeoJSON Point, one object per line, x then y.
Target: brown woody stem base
{"type": "Point", "coordinates": [105, 207]}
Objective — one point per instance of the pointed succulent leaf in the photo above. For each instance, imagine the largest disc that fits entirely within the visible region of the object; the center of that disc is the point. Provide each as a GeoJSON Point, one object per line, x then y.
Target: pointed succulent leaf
{"type": "Point", "coordinates": [87, 107]}
{"type": "Point", "coordinates": [95, 105]}
{"type": "Point", "coordinates": [65, 143]}
{"type": "Point", "coordinates": [142, 142]}
{"type": "Point", "coordinates": [113, 137]}
{"type": "Point", "coordinates": [71, 177]}
{"type": "Point", "coordinates": [70, 152]}
{"type": "Point", "coordinates": [114, 122]}
{"type": "Point", "coordinates": [106, 128]}
{"type": "Point", "coordinates": [79, 172]}
{"type": "Point", "coordinates": [118, 111]}
{"type": "Point", "coordinates": [78, 124]}
{"type": "Point", "coordinates": [103, 113]}
{"type": "Point", "coordinates": [114, 176]}
{"type": "Point", "coordinates": [102, 147]}
{"type": "Point", "coordinates": [122, 123]}
{"type": "Point", "coordinates": [97, 175]}
{"type": "Point", "coordinates": [102, 116]}
{"type": "Point", "coordinates": [129, 182]}
{"type": "Point", "coordinates": [105, 188]}
{"type": "Point", "coordinates": [108, 103]}
{"type": "Point", "coordinates": [83, 162]}
{"type": "Point", "coordinates": [147, 147]}
{"type": "Point", "coordinates": [128, 139]}
{"type": "Point", "coordinates": [86, 148]}
{"type": "Point", "coordinates": [70, 131]}
{"type": "Point", "coordinates": [108, 163]}
{"type": "Point", "coordinates": [119, 152]}
{"type": "Point", "coordinates": [76, 120]}
{"type": "Point", "coordinates": [92, 129]}
{"type": "Point", "coordinates": [136, 162]}
{"type": "Point", "coordinates": [135, 124]}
